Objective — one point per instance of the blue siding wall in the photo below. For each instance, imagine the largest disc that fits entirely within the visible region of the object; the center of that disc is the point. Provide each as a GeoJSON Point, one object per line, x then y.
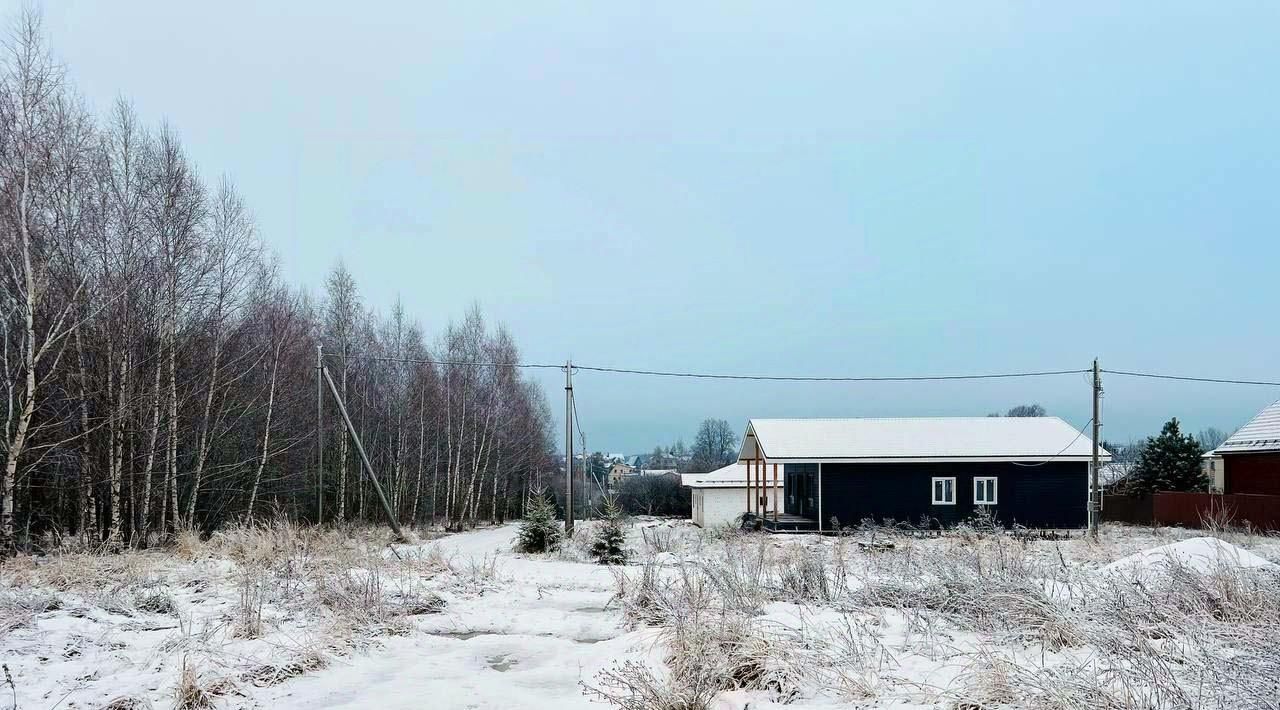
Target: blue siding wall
{"type": "Point", "coordinates": [1053, 495]}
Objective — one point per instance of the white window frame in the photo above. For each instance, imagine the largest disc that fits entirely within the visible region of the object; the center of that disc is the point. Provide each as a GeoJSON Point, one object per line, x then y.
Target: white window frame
{"type": "Point", "coordinates": [995, 490]}
{"type": "Point", "coordinates": [933, 490]}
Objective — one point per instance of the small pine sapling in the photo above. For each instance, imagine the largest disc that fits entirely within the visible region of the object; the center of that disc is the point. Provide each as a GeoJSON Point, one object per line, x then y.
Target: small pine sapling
{"type": "Point", "coordinates": [539, 531]}
{"type": "Point", "coordinates": [610, 546]}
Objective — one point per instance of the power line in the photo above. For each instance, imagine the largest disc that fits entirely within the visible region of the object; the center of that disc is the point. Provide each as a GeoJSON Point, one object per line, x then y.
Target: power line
{"type": "Point", "coordinates": [1214, 380]}
{"type": "Point", "coordinates": [711, 376]}
{"type": "Point", "coordinates": [805, 378]}
{"type": "Point", "coordinates": [586, 465]}
{"type": "Point", "coordinates": [1079, 433]}
{"type": "Point", "coordinates": [799, 378]}
{"type": "Point", "coordinates": [457, 363]}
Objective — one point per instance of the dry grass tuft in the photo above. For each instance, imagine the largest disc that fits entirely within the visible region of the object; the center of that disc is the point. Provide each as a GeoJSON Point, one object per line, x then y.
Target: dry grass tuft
{"type": "Point", "coordinates": [190, 694]}
{"type": "Point", "coordinates": [268, 674]}
{"type": "Point", "coordinates": [126, 702]}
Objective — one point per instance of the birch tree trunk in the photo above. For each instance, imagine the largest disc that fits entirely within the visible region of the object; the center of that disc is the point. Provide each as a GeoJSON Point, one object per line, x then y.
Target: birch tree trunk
{"type": "Point", "coordinates": [202, 449]}
{"type": "Point", "coordinates": [88, 522]}
{"type": "Point", "coordinates": [266, 432]}
{"type": "Point", "coordinates": [151, 456]}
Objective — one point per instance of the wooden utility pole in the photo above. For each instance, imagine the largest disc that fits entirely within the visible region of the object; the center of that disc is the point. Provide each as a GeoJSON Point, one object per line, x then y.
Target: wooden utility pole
{"type": "Point", "coordinates": [368, 467]}
{"type": "Point", "coordinates": [1095, 492]}
{"type": "Point", "coordinates": [568, 447]}
{"type": "Point", "coordinates": [319, 433]}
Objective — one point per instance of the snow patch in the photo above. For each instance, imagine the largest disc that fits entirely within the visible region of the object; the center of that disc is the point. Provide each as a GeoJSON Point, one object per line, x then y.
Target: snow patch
{"type": "Point", "coordinates": [1201, 554]}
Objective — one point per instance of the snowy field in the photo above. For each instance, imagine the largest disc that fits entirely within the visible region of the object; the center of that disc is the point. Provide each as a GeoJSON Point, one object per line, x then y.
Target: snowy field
{"type": "Point", "coordinates": [284, 617]}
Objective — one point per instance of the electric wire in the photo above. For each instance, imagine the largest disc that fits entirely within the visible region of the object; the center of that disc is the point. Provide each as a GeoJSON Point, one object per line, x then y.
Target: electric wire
{"type": "Point", "coordinates": [1184, 378]}
{"type": "Point", "coordinates": [710, 375]}
{"type": "Point", "coordinates": [802, 378]}
{"type": "Point", "coordinates": [1079, 434]}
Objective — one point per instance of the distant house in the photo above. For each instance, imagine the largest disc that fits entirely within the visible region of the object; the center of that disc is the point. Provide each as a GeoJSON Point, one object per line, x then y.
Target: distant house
{"type": "Point", "coordinates": [720, 496]}
{"type": "Point", "coordinates": [1031, 471]}
{"type": "Point", "coordinates": [619, 471]}
{"type": "Point", "coordinates": [1251, 456]}
{"type": "Point", "coordinates": [1213, 467]}
{"type": "Point", "coordinates": [1112, 476]}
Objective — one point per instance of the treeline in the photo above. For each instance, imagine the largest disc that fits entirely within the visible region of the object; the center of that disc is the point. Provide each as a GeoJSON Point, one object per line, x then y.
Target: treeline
{"type": "Point", "coordinates": [714, 445]}
{"type": "Point", "coordinates": [158, 373]}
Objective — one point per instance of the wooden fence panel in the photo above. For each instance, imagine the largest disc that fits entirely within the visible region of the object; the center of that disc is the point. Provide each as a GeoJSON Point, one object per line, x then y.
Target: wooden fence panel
{"type": "Point", "coordinates": [1192, 509]}
{"type": "Point", "coordinates": [1137, 510]}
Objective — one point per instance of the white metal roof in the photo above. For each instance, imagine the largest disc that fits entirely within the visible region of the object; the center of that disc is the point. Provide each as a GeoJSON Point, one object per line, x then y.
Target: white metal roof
{"type": "Point", "coordinates": [1262, 433]}
{"type": "Point", "coordinates": [732, 476]}
{"type": "Point", "coordinates": [916, 439]}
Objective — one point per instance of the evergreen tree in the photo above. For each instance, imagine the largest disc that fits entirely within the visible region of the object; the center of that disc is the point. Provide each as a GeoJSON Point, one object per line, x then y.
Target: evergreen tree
{"type": "Point", "coordinates": [539, 531]}
{"type": "Point", "coordinates": [1169, 462]}
{"type": "Point", "coordinates": [610, 546]}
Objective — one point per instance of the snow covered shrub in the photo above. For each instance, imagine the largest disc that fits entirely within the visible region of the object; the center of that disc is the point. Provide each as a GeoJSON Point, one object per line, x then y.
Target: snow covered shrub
{"type": "Point", "coordinates": [188, 544]}
{"type": "Point", "coordinates": [476, 574]}
{"type": "Point", "coordinates": [268, 674]}
{"type": "Point", "coordinates": [739, 574]}
{"type": "Point", "coordinates": [18, 608]}
{"type": "Point", "coordinates": [155, 601]}
{"type": "Point", "coordinates": [635, 686]}
{"type": "Point", "coordinates": [710, 650]}
{"type": "Point", "coordinates": [414, 604]}
{"type": "Point", "coordinates": [610, 546]}
{"type": "Point", "coordinates": [725, 531]}
{"type": "Point", "coordinates": [252, 597]}
{"type": "Point", "coordinates": [804, 577]}
{"type": "Point", "coordinates": [641, 598]}
{"type": "Point", "coordinates": [539, 531]}
{"type": "Point", "coordinates": [657, 540]}
{"type": "Point", "coordinates": [126, 702]}
{"type": "Point", "coordinates": [988, 684]}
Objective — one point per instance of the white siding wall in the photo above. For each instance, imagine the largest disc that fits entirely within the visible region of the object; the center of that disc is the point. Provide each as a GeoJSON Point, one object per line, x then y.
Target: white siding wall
{"type": "Point", "coordinates": [716, 506]}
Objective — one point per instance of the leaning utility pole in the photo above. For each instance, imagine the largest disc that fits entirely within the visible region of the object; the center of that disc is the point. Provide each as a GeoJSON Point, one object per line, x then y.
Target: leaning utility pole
{"type": "Point", "coordinates": [319, 433]}
{"type": "Point", "coordinates": [568, 447]}
{"type": "Point", "coordinates": [1095, 492]}
{"type": "Point", "coordinates": [368, 467]}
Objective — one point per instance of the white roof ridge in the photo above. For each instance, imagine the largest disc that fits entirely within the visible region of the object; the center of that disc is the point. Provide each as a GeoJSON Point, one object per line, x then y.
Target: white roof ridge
{"type": "Point", "coordinates": [895, 419]}
{"type": "Point", "coordinates": [1261, 433]}
{"type": "Point", "coordinates": [960, 438]}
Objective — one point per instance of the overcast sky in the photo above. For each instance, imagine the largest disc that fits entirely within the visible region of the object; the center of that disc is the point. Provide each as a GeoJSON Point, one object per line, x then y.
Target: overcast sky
{"type": "Point", "coordinates": [850, 189]}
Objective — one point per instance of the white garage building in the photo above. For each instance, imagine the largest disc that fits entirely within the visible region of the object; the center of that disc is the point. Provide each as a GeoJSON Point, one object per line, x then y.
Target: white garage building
{"type": "Point", "coordinates": [721, 496]}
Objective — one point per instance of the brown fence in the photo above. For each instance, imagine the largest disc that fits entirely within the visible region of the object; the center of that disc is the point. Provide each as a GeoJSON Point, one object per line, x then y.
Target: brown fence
{"type": "Point", "coordinates": [1138, 510]}
{"type": "Point", "coordinates": [1191, 509]}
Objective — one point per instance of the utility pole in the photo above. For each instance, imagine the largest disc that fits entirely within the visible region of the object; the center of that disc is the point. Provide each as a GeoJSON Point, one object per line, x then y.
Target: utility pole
{"type": "Point", "coordinates": [568, 447]}
{"type": "Point", "coordinates": [364, 458]}
{"type": "Point", "coordinates": [1095, 492]}
{"type": "Point", "coordinates": [319, 433]}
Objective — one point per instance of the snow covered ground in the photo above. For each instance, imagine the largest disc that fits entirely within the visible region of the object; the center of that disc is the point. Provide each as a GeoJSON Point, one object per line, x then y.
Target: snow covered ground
{"type": "Point", "coordinates": [294, 618]}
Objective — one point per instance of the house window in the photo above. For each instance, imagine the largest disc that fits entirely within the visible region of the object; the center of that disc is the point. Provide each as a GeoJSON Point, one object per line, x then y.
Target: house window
{"type": "Point", "coordinates": [984, 491]}
{"type": "Point", "coordinates": [944, 491]}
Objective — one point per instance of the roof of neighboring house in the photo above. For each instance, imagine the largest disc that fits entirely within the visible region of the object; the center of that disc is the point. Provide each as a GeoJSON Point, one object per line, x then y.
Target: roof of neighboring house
{"type": "Point", "coordinates": [732, 476]}
{"type": "Point", "coordinates": [916, 439]}
{"type": "Point", "coordinates": [1113, 473]}
{"type": "Point", "coordinates": [657, 471]}
{"type": "Point", "coordinates": [1262, 433]}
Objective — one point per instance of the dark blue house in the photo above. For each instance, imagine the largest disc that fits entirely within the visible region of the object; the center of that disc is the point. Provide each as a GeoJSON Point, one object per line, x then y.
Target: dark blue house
{"type": "Point", "coordinates": [939, 471]}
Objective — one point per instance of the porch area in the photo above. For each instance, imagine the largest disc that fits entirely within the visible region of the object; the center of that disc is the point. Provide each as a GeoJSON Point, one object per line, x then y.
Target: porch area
{"type": "Point", "coordinates": [767, 508]}
{"type": "Point", "coordinates": [780, 523]}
